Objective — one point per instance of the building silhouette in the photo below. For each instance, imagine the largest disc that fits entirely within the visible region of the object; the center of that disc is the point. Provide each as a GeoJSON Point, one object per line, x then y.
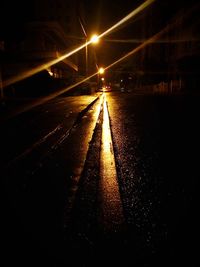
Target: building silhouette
{"type": "Point", "coordinates": [39, 32]}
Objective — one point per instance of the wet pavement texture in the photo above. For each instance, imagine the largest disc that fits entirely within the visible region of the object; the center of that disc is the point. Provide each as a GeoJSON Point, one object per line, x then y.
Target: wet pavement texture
{"type": "Point", "coordinates": [51, 217]}
{"type": "Point", "coordinates": [156, 140]}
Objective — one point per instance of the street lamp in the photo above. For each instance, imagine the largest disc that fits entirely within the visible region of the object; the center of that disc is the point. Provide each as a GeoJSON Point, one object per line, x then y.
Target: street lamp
{"type": "Point", "coordinates": [93, 40]}
{"type": "Point", "coordinates": [101, 71]}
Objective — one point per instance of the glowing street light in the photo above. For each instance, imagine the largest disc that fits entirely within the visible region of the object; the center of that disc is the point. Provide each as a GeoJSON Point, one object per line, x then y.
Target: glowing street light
{"type": "Point", "coordinates": [94, 39]}
{"type": "Point", "coordinates": [101, 70]}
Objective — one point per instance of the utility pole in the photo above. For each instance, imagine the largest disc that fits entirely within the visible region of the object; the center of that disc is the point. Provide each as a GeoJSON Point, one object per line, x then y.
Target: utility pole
{"type": "Point", "coordinates": [86, 46]}
{"type": "Point", "coordinates": [1, 84]}
{"type": "Point", "coordinates": [1, 80]}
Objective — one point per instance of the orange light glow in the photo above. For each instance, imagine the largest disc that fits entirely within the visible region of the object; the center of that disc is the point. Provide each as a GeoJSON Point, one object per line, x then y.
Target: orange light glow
{"type": "Point", "coordinates": [101, 70]}
{"type": "Point", "coordinates": [47, 65]}
{"type": "Point", "coordinates": [112, 212]}
{"type": "Point", "coordinates": [94, 39]}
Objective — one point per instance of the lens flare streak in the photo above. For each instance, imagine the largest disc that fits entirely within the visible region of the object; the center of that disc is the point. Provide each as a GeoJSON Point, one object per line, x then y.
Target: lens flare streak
{"type": "Point", "coordinates": [129, 16]}
{"type": "Point", "coordinates": [47, 65]}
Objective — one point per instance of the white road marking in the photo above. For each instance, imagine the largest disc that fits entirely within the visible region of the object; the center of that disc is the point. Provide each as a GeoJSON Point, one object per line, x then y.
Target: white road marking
{"type": "Point", "coordinates": [112, 212]}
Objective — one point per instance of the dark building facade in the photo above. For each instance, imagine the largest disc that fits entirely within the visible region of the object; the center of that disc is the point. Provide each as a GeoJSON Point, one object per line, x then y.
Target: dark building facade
{"type": "Point", "coordinates": [39, 32]}
{"type": "Point", "coordinates": [170, 62]}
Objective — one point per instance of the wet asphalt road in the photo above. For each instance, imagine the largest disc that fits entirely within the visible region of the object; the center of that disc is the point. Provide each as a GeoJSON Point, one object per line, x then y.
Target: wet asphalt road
{"type": "Point", "coordinates": [51, 214]}
{"type": "Point", "coordinates": [156, 142]}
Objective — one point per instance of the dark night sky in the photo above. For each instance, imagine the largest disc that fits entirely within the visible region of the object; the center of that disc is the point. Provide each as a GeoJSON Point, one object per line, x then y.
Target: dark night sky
{"type": "Point", "coordinates": [102, 14]}
{"type": "Point", "coordinates": [99, 16]}
{"type": "Point", "coordinates": [13, 15]}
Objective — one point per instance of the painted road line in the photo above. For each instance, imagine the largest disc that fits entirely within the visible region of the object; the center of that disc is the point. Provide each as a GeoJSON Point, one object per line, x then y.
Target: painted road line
{"type": "Point", "coordinates": [111, 211]}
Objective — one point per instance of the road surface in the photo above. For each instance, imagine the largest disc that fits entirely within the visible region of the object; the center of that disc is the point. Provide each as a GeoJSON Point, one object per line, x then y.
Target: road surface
{"type": "Point", "coordinates": [98, 181]}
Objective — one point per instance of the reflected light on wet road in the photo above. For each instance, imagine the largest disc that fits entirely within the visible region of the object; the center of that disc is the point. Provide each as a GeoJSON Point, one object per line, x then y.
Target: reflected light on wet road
{"type": "Point", "coordinates": [112, 213]}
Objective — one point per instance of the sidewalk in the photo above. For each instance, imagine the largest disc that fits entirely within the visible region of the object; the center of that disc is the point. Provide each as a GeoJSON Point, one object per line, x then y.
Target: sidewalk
{"type": "Point", "coordinates": [11, 107]}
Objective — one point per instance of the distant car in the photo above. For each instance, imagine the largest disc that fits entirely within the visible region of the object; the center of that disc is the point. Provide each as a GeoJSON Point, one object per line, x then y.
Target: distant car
{"type": "Point", "coordinates": [106, 88]}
